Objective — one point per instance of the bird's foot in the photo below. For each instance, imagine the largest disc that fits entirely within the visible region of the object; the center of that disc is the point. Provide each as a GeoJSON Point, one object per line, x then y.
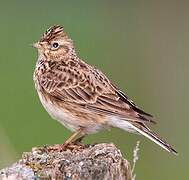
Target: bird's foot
{"type": "Point", "coordinates": [76, 146]}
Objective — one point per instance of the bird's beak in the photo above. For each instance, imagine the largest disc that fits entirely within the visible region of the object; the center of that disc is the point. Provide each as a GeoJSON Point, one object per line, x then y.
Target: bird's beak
{"type": "Point", "coordinates": [36, 45]}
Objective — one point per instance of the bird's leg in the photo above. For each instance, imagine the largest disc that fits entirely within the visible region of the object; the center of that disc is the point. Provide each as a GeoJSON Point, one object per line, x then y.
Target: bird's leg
{"type": "Point", "coordinates": [79, 139]}
{"type": "Point", "coordinates": [74, 138]}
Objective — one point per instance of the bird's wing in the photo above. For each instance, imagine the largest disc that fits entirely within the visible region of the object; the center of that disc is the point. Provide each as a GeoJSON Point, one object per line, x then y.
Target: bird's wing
{"type": "Point", "coordinates": [91, 89]}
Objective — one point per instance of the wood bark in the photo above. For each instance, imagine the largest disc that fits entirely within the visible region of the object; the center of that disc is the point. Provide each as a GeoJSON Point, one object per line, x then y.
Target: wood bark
{"type": "Point", "coordinates": [77, 162]}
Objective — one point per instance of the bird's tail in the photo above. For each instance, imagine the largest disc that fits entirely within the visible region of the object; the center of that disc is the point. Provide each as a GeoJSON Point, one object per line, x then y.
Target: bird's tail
{"type": "Point", "coordinates": [145, 131]}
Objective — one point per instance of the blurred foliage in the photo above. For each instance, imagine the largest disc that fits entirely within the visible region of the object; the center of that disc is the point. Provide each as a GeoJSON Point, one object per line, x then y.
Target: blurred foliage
{"type": "Point", "coordinates": [142, 46]}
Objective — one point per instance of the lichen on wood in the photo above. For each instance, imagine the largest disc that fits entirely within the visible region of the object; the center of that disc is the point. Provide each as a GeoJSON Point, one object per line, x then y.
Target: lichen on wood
{"type": "Point", "coordinates": [92, 162]}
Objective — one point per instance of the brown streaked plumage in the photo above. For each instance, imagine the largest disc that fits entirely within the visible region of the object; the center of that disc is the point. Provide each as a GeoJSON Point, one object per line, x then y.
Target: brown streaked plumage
{"type": "Point", "coordinates": [80, 96]}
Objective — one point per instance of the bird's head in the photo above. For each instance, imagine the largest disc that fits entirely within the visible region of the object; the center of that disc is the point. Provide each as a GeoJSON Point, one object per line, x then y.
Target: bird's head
{"type": "Point", "coordinates": [54, 44]}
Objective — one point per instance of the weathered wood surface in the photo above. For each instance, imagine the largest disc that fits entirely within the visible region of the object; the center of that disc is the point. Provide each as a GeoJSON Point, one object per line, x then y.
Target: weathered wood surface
{"type": "Point", "coordinates": [93, 162]}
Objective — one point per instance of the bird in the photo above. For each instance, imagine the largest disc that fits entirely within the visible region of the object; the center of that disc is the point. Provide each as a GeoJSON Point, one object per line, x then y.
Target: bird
{"type": "Point", "coordinates": [80, 96]}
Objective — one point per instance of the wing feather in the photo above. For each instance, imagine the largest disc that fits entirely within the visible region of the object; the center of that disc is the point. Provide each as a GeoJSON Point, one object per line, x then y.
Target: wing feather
{"type": "Point", "coordinates": [93, 91]}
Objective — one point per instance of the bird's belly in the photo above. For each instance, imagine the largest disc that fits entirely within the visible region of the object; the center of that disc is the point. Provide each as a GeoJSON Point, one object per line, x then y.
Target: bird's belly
{"type": "Point", "coordinates": [68, 119]}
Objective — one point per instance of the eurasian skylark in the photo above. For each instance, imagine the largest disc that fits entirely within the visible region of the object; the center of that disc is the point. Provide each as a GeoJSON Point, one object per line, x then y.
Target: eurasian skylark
{"type": "Point", "coordinates": [80, 96]}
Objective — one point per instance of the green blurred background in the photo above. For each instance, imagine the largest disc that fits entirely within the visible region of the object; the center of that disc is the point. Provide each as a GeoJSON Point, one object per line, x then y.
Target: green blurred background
{"type": "Point", "coordinates": [142, 46]}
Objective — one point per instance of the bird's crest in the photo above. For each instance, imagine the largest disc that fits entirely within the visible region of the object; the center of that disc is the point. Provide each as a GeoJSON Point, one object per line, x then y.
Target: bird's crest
{"type": "Point", "coordinates": [52, 32]}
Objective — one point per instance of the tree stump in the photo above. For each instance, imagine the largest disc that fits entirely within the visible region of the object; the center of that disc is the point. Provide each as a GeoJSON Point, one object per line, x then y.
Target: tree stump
{"type": "Point", "coordinates": [77, 162]}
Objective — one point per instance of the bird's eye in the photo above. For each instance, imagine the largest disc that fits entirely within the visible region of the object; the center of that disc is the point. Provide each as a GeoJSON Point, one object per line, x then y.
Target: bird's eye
{"type": "Point", "coordinates": [55, 45]}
